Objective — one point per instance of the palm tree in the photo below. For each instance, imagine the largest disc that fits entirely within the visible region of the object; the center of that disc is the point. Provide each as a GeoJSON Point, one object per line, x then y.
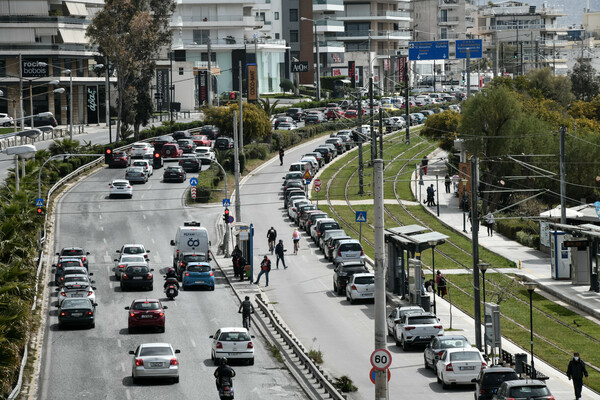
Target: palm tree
{"type": "Point", "coordinates": [267, 107]}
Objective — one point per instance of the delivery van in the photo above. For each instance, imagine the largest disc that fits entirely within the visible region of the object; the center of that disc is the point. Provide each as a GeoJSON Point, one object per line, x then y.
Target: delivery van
{"type": "Point", "coordinates": [190, 238]}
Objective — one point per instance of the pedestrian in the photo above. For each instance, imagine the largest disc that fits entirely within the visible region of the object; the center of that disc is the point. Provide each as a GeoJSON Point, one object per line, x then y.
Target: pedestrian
{"type": "Point", "coordinates": [423, 290]}
{"type": "Point", "coordinates": [455, 183]}
{"type": "Point", "coordinates": [235, 255]}
{"type": "Point", "coordinates": [279, 250]}
{"type": "Point", "coordinates": [296, 239]}
{"type": "Point", "coordinates": [241, 265]}
{"type": "Point", "coordinates": [470, 218]}
{"type": "Point", "coordinates": [431, 196]}
{"type": "Point", "coordinates": [489, 223]}
{"type": "Point", "coordinates": [271, 237]}
{"type": "Point", "coordinates": [424, 163]}
{"type": "Point", "coordinates": [440, 282]}
{"type": "Point", "coordinates": [281, 156]}
{"type": "Point", "coordinates": [576, 371]}
{"type": "Point", "coordinates": [447, 182]}
{"type": "Point", "coordinates": [265, 268]}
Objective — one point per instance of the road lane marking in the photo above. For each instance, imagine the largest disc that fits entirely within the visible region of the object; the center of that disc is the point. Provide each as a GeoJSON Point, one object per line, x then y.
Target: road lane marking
{"type": "Point", "coordinates": [119, 344]}
{"type": "Point", "coordinates": [104, 239]}
{"type": "Point", "coordinates": [193, 343]}
{"type": "Point", "coordinates": [123, 367]}
{"type": "Point", "coordinates": [127, 394]}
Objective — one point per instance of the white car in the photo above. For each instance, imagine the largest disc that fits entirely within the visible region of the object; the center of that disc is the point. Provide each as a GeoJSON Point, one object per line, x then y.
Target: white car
{"type": "Point", "coordinates": [361, 287]}
{"type": "Point", "coordinates": [120, 187]}
{"type": "Point", "coordinates": [397, 315]}
{"type": "Point", "coordinates": [232, 343]}
{"type": "Point", "coordinates": [313, 162]}
{"type": "Point", "coordinates": [155, 360]}
{"type": "Point", "coordinates": [417, 328]}
{"type": "Point", "coordinates": [139, 149]}
{"type": "Point", "coordinates": [293, 207]}
{"type": "Point", "coordinates": [459, 366]}
{"type": "Point", "coordinates": [205, 154]}
{"type": "Point", "coordinates": [145, 165]}
{"type": "Point", "coordinates": [6, 120]}
{"type": "Point", "coordinates": [123, 262]}
{"type": "Point", "coordinates": [134, 249]}
{"type": "Point", "coordinates": [76, 289]}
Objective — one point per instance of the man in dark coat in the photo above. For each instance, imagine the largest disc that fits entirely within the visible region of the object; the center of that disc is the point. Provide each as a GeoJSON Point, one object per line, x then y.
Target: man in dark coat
{"type": "Point", "coordinates": [576, 371]}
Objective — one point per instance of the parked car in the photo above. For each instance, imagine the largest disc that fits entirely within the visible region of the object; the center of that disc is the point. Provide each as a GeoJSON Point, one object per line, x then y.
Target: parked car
{"type": "Point", "coordinates": [438, 344]}
{"type": "Point", "coordinates": [174, 173]}
{"type": "Point", "coordinates": [171, 150]}
{"type": "Point", "coordinates": [343, 272]}
{"type": "Point", "coordinates": [190, 163]}
{"type": "Point", "coordinates": [210, 131]}
{"type": "Point", "coordinates": [144, 313]}
{"type": "Point", "coordinates": [6, 120]}
{"type": "Point", "coordinates": [281, 120]}
{"type": "Point", "coordinates": [232, 343]}
{"type": "Point", "coordinates": [205, 154]}
{"type": "Point", "coordinates": [318, 156]}
{"type": "Point", "coordinates": [312, 220]}
{"type": "Point", "coordinates": [155, 360]}
{"type": "Point", "coordinates": [325, 153]}
{"type": "Point", "coordinates": [361, 287]}
{"type": "Point", "coordinates": [523, 390]}
{"type": "Point", "coordinates": [337, 142]}
{"type": "Point", "coordinates": [417, 328]}
{"type": "Point", "coordinates": [490, 379]}
{"type": "Point", "coordinates": [397, 315]}
{"type": "Point", "coordinates": [137, 275]}
{"type": "Point", "coordinates": [297, 114]}
{"type": "Point", "coordinates": [321, 227]}
{"type": "Point", "coordinates": [460, 367]}
{"type": "Point", "coordinates": [328, 249]}
{"type": "Point", "coordinates": [136, 174]}
{"type": "Point", "coordinates": [348, 250]}
{"type": "Point", "coordinates": [224, 143]}
{"type": "Point", "coordinates": [43, 119]}
{"type": "Point", "coordinates": [286, 126]}
{"type": "Point", "coordinates": [305, 215]}
{"type": "Point", "coordinates": [139, 149]}
{"type": "Point", "coordinates": [293, 207]}
{"type": "Point", "coordinates": [334, 113]}
{"type": "Point", "coordinates": [198, 274]}
{"type": "Point", "coordinates": [77, 311]}
{"type": "Point", "coordinates": [119, 159]}
{"type": "Point", "coordinates": [302, 209]}
{"type": "Point", "coordinates": [120, 187]}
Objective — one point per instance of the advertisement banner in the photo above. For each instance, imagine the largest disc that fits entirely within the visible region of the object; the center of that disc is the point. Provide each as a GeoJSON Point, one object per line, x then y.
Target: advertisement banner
{"type": "Point", "coordinates": [252, 82]}
{"type": "Point", "coordinates": [33, 69]}
{"type": "Point", "coordinates": [335, 58]}
{"type": "Point", "coordinates": [92, 104]}
{"type": "Point", "coordinates": [162, 85]}
{"type": "Point", "coordinates": [352, 73]}
{"type": "Point", "coordinates": [402, 69]}
{"type": "Point", "coordinates": [202, 86]}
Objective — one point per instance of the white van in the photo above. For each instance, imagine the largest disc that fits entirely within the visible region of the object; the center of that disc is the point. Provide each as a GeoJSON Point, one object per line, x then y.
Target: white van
{"type": "Point", "coordinates": [190, 238]}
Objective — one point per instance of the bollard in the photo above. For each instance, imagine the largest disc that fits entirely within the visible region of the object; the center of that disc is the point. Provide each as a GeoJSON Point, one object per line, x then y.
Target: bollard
{"type": "Point", "coordinates": [519, 264]}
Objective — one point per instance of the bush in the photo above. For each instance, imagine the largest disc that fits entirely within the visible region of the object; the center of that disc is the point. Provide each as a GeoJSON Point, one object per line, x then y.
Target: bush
{"type": "Point", "coordinates": [65, 168]}
{"type": "Point", "coordinates": [529, 240]}
{"type": "Point", "coordinates": [255, 151]}
{"type": "Point", "coordinates": [203, 194]}
{"type": "Point", "coordinates": [519, 230]}
{"type": "Point", "coordinates": [345, 384]}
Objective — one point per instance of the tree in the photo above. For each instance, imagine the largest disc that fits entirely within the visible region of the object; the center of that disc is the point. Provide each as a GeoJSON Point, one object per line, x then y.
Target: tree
{"type": "Point", "coordinates": [443, 126]}
{"type": "Point", "coordinates": [266, 106]}
{"type": "Point", "coordinates": [286, 85]}
{"type": "Point", "coordinates": [584, 79]}
{"type": "Point", "coordinates": [131, 33]}
{"type": "Point", "coordinates": [557, 88]}
{"type": "Point", "coordinates": [257, 124]}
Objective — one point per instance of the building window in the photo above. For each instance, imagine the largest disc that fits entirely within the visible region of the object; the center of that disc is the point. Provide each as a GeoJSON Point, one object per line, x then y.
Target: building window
{"type": "Point", "coordinates": [200, 36]}
{"type": "Point", "coordinates": [293, 15]}
{"type": "Point", "coordinates": [443, 33]}
{"type": "Point", "coordinates": [204, 57]}
{"type": "Point", "coordinates": [276, 15]}
{"type": "Point", "coordinates": [277, 36]}
{"type": "Point", "coordinates": [293, 36]}
{"type": "Point", "coordinates": [443, 15]}
{"type": "Point", "coordinates": [3, 69]}
{"type": "Point", "coordinates": [364, 46]}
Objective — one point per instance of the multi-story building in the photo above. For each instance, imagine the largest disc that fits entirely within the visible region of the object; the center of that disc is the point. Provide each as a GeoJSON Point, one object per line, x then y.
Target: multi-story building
{"type": "Point", "coordinates": [48, 36]}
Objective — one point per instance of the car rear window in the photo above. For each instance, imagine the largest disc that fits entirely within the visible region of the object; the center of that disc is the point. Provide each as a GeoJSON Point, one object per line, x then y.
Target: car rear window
{"type": "Point", "coordinates": [465, 356]}
{"type": "Point", "coordinates": [422, 320]}
{"type": "Point", "coordinates": [199, 268]}
{"type": "Point", "coordinates": [75, 303]}
{"type": "Point", "coordinates": [75, 278]}
{"type": "Point", "coordinates": [155, 351]}
{"type": "Point", "coordinates": [364, 280]}
{"type": "Point", "coordinates": [194, 258]}
{"type": "Point", "coordinates": [453, 344]}
{"type": "Point", "coordinates": [137, 270]}
{"type": "Point", "coordinates": [72, 252]}
{"type": "Point", "coordinates": [350, 247]}
{"type": "Point", "coordinates": [234, 337]}
{"type": "Point", "coordinates": [529, 391]}
{"type": "Point", "coordinates": [147, 305]}
{"type": "Point", "coordinates": [496, 378]}
{"type": "Point", "coordinates": [80, 271]}
{"type": "Point", "coordinates": [132, 259]}
{"type": "Point", "coordinates": [76, 286]}
{"type": "Point", "coordinates": [330, 225]}
{"type": "Point", "coordinates": [133, 250]}
{"type": "Point", "coordinates": [67, 264]}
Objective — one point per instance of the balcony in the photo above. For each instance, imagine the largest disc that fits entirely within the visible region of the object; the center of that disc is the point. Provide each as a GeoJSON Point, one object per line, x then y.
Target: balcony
{"type": "Point", "coordinates": [382, 16]}
{"type": "Point", "coordinates": [328, 5]}
{"type": "Point", "coordinates": [331, 47]}
{"type": "Point", "coordinates": [449, 21]}
{"type": "Point", "coordinates": [523, 10]}
{"type": "Point", "coordinates": [329, 25]}
{"type": "Point", "coordinates": [445, 4]}
{"type": "Point", "coordinates": [221, 21]}
{"type": "Point", "coordinates": [375, 35]}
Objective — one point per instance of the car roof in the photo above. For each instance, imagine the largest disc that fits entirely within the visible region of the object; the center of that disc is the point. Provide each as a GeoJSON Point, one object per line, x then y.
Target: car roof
{"type": "Point", "coordinates": [353, 264]}
{"type": "Point", "coordinates": [524, 382]}
{"type": "Point", "coordinates": [458, 349]}
{"type": "Point", "coordinates": [155, 345]}
{"type": "Point", "coordinates": [452, 337]}
{"type": "Point", "coordinates": [364, 274]}
{"type": "Point", "coordinates": [349, 241]}
{"type": "Point", "coordinates": [233, 329]}
{"type": "Point", "coordinates": [205, 263]}
{"type": "Point", "coordinates": [496, 369]}
{"type": "Point", "coordinates": [133, 245]}
{"type": "Point", "coordinates": [137, 264]}
{"type": "Point", "coordinates": [149, 300]}
{"type": "Point", "coordinates": [120, 181]}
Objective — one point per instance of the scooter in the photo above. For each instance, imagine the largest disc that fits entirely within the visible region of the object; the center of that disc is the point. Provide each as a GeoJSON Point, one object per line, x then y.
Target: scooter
{"type": "Point", "coordinates": [171, 287]}
{"type": "Point", "coordinates": [226, 390]}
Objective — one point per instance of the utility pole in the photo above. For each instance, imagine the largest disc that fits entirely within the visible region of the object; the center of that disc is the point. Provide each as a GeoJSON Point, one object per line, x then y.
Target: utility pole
{"type": "Point", "coordinates": [107, 101]}
{"type": "Point", "coordinates": [373, 136]}
{"type": "Point", "coordinates": [380, 133]}
{"type": "Point", "coordinates": [381, 392]}
{"type": "Point", "coordinates": [209, 76]}
{"type": "Point", "coordinates": [518, 66]}
{"type": "Point", "coordinates": [21, 92]}
{"type": "Point", "coordinates": [406, 106]}
{"type": "Point", "coordinates": [241, 132]}
{"type": "Point", "coordinates": [236, 162]}
{"type": "Point", "coordinates": [360, 149]}
{"type": "Point", "coordinates": [170, 90]}
{"type": "Point", "coordinates": [563, 183]}
{"type": "Point", "coordinates": [475, 250]}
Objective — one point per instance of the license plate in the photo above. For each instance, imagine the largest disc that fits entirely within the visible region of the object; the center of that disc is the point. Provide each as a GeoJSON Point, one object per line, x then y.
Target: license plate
{"type": "Point", "coordinates": [137, 277]}
{"type": "Point", "coordinates": [424, 337]}
{"type": "Point", "coordinates": [468, 368]}
{"type": "Point", "coordinates": [156, 364]}
{"type": "Point", "coordinates": [76, 295]}
{"type": "Point", "coordinates": [146, 316]}
{"type": "Point", "coordinates": [366, 294]}
{"type": "Point", "coordinates": [76, 314]}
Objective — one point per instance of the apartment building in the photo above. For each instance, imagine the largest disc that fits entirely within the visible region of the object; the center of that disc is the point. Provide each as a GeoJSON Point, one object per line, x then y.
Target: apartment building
{"type": "Point", "coordinates": [42, 42]}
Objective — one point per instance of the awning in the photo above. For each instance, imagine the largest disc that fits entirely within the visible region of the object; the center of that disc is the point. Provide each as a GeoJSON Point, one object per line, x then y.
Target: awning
{"type": "Point", "coordinates": [73, 35]}
{"type": "Point", "coordinates": [76, 9]}
{"type": "Point", "coordinates": [17, 35]}
{"type": "Point", "coordinates": [555, 213]}
{"type": "Point", "coordinates": [24, 7]}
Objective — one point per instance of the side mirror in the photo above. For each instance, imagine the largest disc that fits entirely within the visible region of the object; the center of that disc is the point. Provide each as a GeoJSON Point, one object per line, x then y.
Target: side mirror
{"type": "Point", "coordinates": [93, 287]}
{"type": "Point", "coordinates": [172, 243]}
{"type": "Point", "coordinates": [57, 254]}
{"type": "Point", "coordinates": [91, 273]}
{"type": "Point", "coordinates": [211, 336]}
{"type": "Point", "coordinates": [165, 307]}
{"type": "Point", "coordinates": [132, 352]}
{"type": "Point", "coordinates": [116, 259]}
{"type": "Point", "coordinates": [177, 351]}
{"type": "Point", "coordinates": [127, 308]}
{"type": "Point", "coordinates": [474, 380]}
{"type": "Point", "coordinates": [118, 251]}
{"type": "Point", "coordinates": [87, 253]}
{"type": "Point", "coordinates": [151, 269]}
{"type": "Point", "coordinates": [147, 251]}
{"type": "Point", "coordinates": [95, 304]}
{"type": "Point", "coordinates": [252, 336]}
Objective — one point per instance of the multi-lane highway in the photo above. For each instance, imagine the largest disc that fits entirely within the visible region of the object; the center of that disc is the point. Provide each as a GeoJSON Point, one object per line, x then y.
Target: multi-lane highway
{"type": "Point", "coordinates": [94, 363]}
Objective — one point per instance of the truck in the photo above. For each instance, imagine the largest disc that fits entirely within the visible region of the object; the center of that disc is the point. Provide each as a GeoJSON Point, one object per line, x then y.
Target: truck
{"type": "Point", "coordinates": [190, 238]}
{"type": "Point", "coordinates": [417, 328]}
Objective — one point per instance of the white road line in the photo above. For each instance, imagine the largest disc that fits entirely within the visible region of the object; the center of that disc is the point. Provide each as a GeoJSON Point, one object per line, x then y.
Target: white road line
{"type": "Point", "coordinates": [108, 269]}
{"type": "Point", "coordinates": [153, 242]}
{"type": "Point", "coordinates": [123, 367]}
{"type": "Point", "coordinates": [101, 229]}
{"type": "Point", "coordinates": [143, 216]}
{"type": "Point", "coordinates": [119, 344]}
{"type": "Point", "coordinates": [99, 216]}
{"type": "Point", "coordinates": [193, 343]}
{"type": "Point", "coordinates": [147, 228]}
{"type": "Point", "coordinates": [127, 394]}
{"type": "Point", "coordinates": [104, 240]}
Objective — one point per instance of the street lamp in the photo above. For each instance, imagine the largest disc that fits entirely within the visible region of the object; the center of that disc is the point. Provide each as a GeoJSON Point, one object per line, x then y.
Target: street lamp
{"type": "Point", "coordinates": [70, 72]}
{"type": "Point", "coordinates": [483, 267]}
{"type": "Point", "coordinates": [107, 97]}
{"type": "Point", "coordinates": [531, 288]}
{"type": "Point", "coordinates": [318, 70]}
{"type": "Point", "coordinates": [437, 191]}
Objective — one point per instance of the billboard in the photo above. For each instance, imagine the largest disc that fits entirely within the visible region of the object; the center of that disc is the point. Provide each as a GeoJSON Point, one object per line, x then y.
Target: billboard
{"type": "Point", "coordinates": [352, 73]}
{"type": "Point", "coordinates": [402, 69]}
{"type": "Point", "coordinates": [34, 68]}
{"type": "Point", "coordinates": [252, 82]}
{"type": "Point", "coordinates": [202, 86]}
{"type": "Point", "coordinates": [92, 104]}
{"type": "Point", "coordinates": [162, 85]}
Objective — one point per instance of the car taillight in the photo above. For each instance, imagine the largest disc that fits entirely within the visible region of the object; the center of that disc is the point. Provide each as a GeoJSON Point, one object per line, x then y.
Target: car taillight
{"type": "Point", "coordinates": [84, 259]}
{"type": "Point", "coordinates": [121, 266]}
{"type": "Point", "coordinates": [139, 362]}
{"type": "Point", "coordinates": [187, 274]}
{"type": "Point", "coordinates": [64, 314]}
{"type": "Point", "coordinates": [219, 345]}
{"type": "Point", "coordinates": [181, 264]}
{"type": "Point", "coordinates": [124, 276]}
{"type": "Point", "coordinates": [173, 361]}
{"type": "Point", "coordinates": [437, 326]}
{"type": "Point", "coordinates": [250, 345]}
{"type": "Point", "coordinates": [111, 186]}
{"type": "Point", "coordinates": [353, 287]}
{"type": "Point", "coordinates": [211, 273]}
{"type": "Point", "coordinates": [483, 365]}
{"type": "Point", "coordinates": [440, 353]}
{"type": "Point", "coordinates": [339, 253]}
{"type": "Point", "coordinates": [90, 293]}
{"type": "Point", "coordinates": [449, 367]}
{"type": "Point", "coordinates": [89, 313]}
{"type": "Point", "coordinates": [132, 314]}
{"type": "Point", "coordinates": [160, 313]}
{"type": "Point", "coordinates": [409, 328]}
{"type": "Point", "coordinates": [63, 294]}
{"type": "Point", "coordinates": [149, 276]}
{"type": "Point", "coordinates": [128, 186]}
{"type": "Point", "coordinates": [362, 253]}
{"type": "Point", "coordinates": [551, 398]}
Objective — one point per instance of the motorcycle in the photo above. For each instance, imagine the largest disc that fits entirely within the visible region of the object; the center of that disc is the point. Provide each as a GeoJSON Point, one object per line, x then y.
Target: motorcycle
{"type": "Point", "coordinates": [171, 287]}
{"type": "Point", "coordinates": [226, 390]}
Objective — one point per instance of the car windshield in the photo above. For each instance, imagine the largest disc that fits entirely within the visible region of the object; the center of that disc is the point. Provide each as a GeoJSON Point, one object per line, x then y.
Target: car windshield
{"type": "Point", "coordinates": [133, 250]}
{"type": "Point", "coordinates": [76, 286]}
{"type": "Point", "coordinates": [146, 305]}
{"type": "Point", "coordinates": [199, 268]}
{"type": "Point", "coordinates": [155, 351]}
{"type": "Point", "coordinates": [422, 320]}
{"type": "Point", "coordinates": [75, 303]}
{"type": "Point", "coordinates": [71, 252]}
{"type": "Point", "coordinates": [529, 391]}
{"type": "Point", "coordinates": [496, 378]}
{"type": "Point", "coordinates": [75, 278]}
{"type": "Point", "coordinates": [454, 344]}
{"type": "Point", "coordinates": [172, 169]}
{"type": "Point", "coordinates": [137, 270]}
{"type": "Point", "coordinates": [364, 280]}
{"type": "Point", "coordinates": [67, 264]}
{"type": "Point", "coordinates": [350, 247]}
{"type": "Point", "coordinates": [465, 356]}
{"type": "Point", "coordinates": [234, 337]}
{"type": "Point", "coordinates": [329, 225]}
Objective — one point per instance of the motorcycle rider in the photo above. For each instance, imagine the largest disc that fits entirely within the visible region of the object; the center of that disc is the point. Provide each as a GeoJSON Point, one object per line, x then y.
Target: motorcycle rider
{"type": "Point", "coordinates": [223, 371]}
{"type": "Point", "coordinates": [171, 279]}
{"type": "Point", "coordinates": [246, 308]}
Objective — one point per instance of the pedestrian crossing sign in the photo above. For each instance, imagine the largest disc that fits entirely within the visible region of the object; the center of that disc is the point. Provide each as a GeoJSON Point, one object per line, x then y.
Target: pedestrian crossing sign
{"type": "Point", "coordinates": [39, 202]}
{"type": "Point", "coordinates": [361, 216]}
{"type": "Point", "coordinates": [306, 175]}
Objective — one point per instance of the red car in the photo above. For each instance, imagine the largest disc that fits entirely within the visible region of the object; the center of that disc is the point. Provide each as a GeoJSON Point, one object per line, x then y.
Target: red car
{"type": "Point", "coordinates": [171, 150]}
{"type": "Point", "coordinates": [119, 159]}
{"type": "Point", "coordinates": [351, 114]}
{"type": "Point", "coordinates": [201, 140]}
{"type": "Point", "coordinates": [334, 113]}
{"type": "Point", "coordinates": [144, 313]}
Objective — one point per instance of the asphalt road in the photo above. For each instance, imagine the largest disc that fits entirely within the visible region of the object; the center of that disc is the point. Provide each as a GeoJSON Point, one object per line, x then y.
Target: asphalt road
{"type": "Point", "coordinates": [94, 363]}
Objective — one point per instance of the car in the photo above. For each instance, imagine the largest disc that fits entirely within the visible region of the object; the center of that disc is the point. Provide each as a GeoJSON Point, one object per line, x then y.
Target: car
{"type": "Point", "coordinates": [427, 113]}
{"type": "Point", "coordinates": [438, 344]}
{"type": "Point", "coordinates": [171, 150]}
{"type": "Point", "coordinates": [224, 143]}
{"type": "Point", "coordinates": [136, 174]}
{"type": "Point", "coordinates": [205, 154]}
{"type": "Point", "coordinates": [397, 315]}
{"type": "Point", "coordinates": [120, 187]}
{"type": "Point", "coordinates": [490, 379]}
{"type": "Point", "coordinates": [281, 120]}
{"type": "Point", "coordinates": [523, 390]}
{"type": "Point", "coordinates": [146, 313]}
{"type": "Point", "coordinates": [76, 289]}
{"type": "Point", "coordinates": [119, 159]}
{"type": "Point", "coordinates": [361, 287]}
{"type": "Point", "coordinates": [190, 163]}
{"type": "Point", "coordinates": [65, 263]}
{"type": "Point", "coordinates": [327, 235]}
{"type": "Point", "coordinates": [178, 135]}
{"type": "Point", "coordinates": [201, 141]}
{"type": "Point", "coordinates": [123, 262]}
{"type": "Point", "coordinates": [186, 145]}
{"type": "Point", "coordinates": [293, 207]}
{"type": "Point", "coordinates": [80, 278]}
{"type": "Point", "coordinates": [314, 164]}
{"type": "Point", "coordinates": [346, 141]}
{"type": "Point", "coordinates": [292, 175]}
{"type": "Point", "coordinates": [312, 220]}
{"type": "Point", "coordinates": [318, 156]}
{"type": "Point", "coordinates": [6, 120]}
{"type": "Point", "coordinates": [293, 185]}
{"type": "Point", "coordinates": [330, 245]}
{"type": "Point", "coordinates": [297, 114]}
{"type": "Point", "coordinates": [417, 328]}
{"type": "Point", "coordinates": [139, 149]}
{"type": "Point", "coordinates": [332, 149]}
{"type": "Point", "coordinates": [293, 195]}
{"type": "Point", "coordinates": [155, 360]}
{"type": "Point", "coordinates": [210, 131]}
{"type": "Point", "coordinates": [199, 274]}
{"type": "Point", "coordinates": [348, 250]}
{"type": "Point", "coordinates": [232, 343]}
{"type": "Point", "coordinates": [315, 117]}
{"type": "Point", "coordinates": [351, 113]}
{"type": "Point", "coordinates": [305, 216]}
{"type": "Point", "coordinates": [77, 311]}
{"type": "Point", "coordinates": [186, 258]}
{"type": "Point", "coordinates": [137, 275]}
{"type": "Point", "coordinates": [299, 166]}
{"type": "Point", "coordinates": [334, 113]}
{"type": "Point", "coordinates": [343, 273]}
{"type": "Point", "coordinates": [174, 173]}
{"type": "Point", "coordinates": [286, 126]}
{"type": "Point", "coordinates": [145, 165]}
{"type": "Point", "coordinates": [459, 366]}
{"type": "Point", "coordinates": [160, 141]}
{"type": "Point", "coordinates": [66, 272]}
{"type": "Point", "coordinates": [317, 230]}
{"type": "Point", "coordinates": [303, 208]}
{"type": "Point", "coordinates": [74, 252]}
{"type": "Point", "coordinates": [325, 153]}
{"type": "Point", "coordinates": [43, 119]}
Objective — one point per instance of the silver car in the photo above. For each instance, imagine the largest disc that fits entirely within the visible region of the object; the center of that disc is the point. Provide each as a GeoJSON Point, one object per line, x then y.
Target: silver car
{"type": "Point", "coordinates": [125, 260]}
{"type": "Point", "coordinates": [136, 174]}
{"type": "Point", "coordinates": [348, 250]}
{"type": "Point", "coordinates": [155, 360]}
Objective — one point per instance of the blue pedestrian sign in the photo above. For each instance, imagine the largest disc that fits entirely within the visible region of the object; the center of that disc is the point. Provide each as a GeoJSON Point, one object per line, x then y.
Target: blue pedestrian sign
{"type": "Point", "coordinates": [226, 203]}
{"type": "Point", "coordinates": [39, 202]}
{"type": "Point", "coordinates": [361, 216]}
{"type": "Point", "coordinates": [473, 46]}
{"type": "Point", "coordinates": [307, 182]}
{"type": "Point", "coordinates": [432, 50]}
{"type": "Point", "coordinates": [194, 182]}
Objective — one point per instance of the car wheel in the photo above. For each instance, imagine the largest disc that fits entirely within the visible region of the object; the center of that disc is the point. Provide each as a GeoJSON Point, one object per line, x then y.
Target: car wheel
{"type": "Point", "coordinates": [212, 288]}
{"type": "Point", "coordinates": [162, 329]}
{"type": "Point", "coordinates": [176, 380]}
{"type": "Point", "coordinates": [405, 345]}
{"type": "Point", "coordinates": [438, 378]}
{"type": "Point", "coordinates": [92, 325]}
{"type": "Point", "coordinates": [60, 326]}
{"type": "Point", "coordinates": [130, 329]}
{"type": "Point", "coordinates": [130, 196]}
{"type": "Point", "coordinates": [122, 287]}
{"type": "Point", "coordinates": [150, 287]}
{"type": "Point", "coordinates": [335, 288]}
{"type": "Point", "coordinates": [251, 361]}
{"type": "Point", "coordinates": [352, 300]}
{"type": "Point", "coordinates": [425, 362]}
{"type": "Point", "coordinates": [135, 380]}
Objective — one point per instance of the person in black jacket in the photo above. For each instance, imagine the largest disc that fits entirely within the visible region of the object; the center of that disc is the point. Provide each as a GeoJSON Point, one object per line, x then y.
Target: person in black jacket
{"type": "Point", "coordinates": [576, 371]}
{"type": "Point", "coordinates": [224, 371]}
{"type": "Point", "coordinates": [279, 250]}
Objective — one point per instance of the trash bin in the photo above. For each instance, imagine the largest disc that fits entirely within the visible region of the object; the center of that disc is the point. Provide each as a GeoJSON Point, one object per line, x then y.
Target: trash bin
{"type": "Point", "coordinates": [426, 303]}
{"type": "Point", "coordinates": [520, 359]}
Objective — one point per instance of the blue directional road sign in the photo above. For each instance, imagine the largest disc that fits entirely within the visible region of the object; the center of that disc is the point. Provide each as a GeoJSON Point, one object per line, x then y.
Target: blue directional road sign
{"type": "Point", "coordinates": [473, 46]}
{"type": "Point", "coordinates": [432, 50]}
{"type": "Point", "coordinates": [39, 202]}
{"type": "Point", "coordinates": [361, 216]}
{"type": "Point", "coordinates": [194, 182]}
{"type": "Point", "coordinates": [226, 202]}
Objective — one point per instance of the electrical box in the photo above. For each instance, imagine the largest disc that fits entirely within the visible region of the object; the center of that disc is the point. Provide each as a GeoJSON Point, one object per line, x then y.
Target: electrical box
{"type": "Point", "coordinates": [560, 259]}
{"type": "Point", "coordinates": [493, 336]}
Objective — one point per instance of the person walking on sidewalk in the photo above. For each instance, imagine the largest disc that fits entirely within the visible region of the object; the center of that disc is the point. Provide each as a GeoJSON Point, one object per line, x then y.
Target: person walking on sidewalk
{"type": "Point", "coordinates": [265, 268]}
{"type": "Point", "coordinates": [281, 153]}
{"type": "Point", "coordinates": [235, 255]}
{"type": "Point", "coordinates": [271, 237]}
{"type": "Point", "coordinates": [424, 163]}
{"type": "Point", "coordinates": [296, 239]}
{"type": "Point", "coordinates": [576, 371]}
{"type": "Point", "coordinates": [440, 282]}
{"type": "Point", "coordinates": [447, 182]}
{"type": "Point", "coordinates": [489, 223]}
{"type": "Point", "coordinates": [431, 196]}
{"type": "Point", "coordinates": [279, 250]}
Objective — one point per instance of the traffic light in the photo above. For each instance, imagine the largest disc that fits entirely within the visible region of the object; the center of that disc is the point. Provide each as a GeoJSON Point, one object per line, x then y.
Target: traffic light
{"type": "Point", "coordinates": [157, 161]}
{"type": "Point", "coordinates": [107, 155]}
{"type": "Point", "coordinates": [40, 211]}
{"type": "Point", "coordinates": [516, 54]}
{"type": "Point", "coordinates": [226, 215]}
{"type": "Point", "coordinates": [463, 79]}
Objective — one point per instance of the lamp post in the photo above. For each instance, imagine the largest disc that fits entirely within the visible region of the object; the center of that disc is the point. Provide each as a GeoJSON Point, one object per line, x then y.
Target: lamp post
{"type": "Point", "coordinates": [318, 69]}
{"type": "Point", "coordinates": [437, 192]}
{"type": "Point", "coordinates": [70, 72]}
{"type": "Point", "coordinates": [107, 97]}
{"type": "Point", "coordinates": [531, 288]}
{"type": "Point", "coordinates": [432, 244]}
{"type": "Point", "coordinates": [483, 267]}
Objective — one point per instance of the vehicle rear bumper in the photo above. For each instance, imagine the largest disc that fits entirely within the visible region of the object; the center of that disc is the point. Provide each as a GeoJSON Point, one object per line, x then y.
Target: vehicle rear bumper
{"type": "Point", "coordinates": [172, 372]}
{"type": "Point", "coordinates": [235, 355]}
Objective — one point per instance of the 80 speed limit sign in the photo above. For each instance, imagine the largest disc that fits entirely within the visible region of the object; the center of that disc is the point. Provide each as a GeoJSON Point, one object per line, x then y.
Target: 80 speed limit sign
{"type": "Point", "coordinates": [381, 359]}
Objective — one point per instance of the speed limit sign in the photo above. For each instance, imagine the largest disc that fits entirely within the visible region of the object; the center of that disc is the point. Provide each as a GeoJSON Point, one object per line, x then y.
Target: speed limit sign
{"type": "Point", "coordinates": [381, 359]}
